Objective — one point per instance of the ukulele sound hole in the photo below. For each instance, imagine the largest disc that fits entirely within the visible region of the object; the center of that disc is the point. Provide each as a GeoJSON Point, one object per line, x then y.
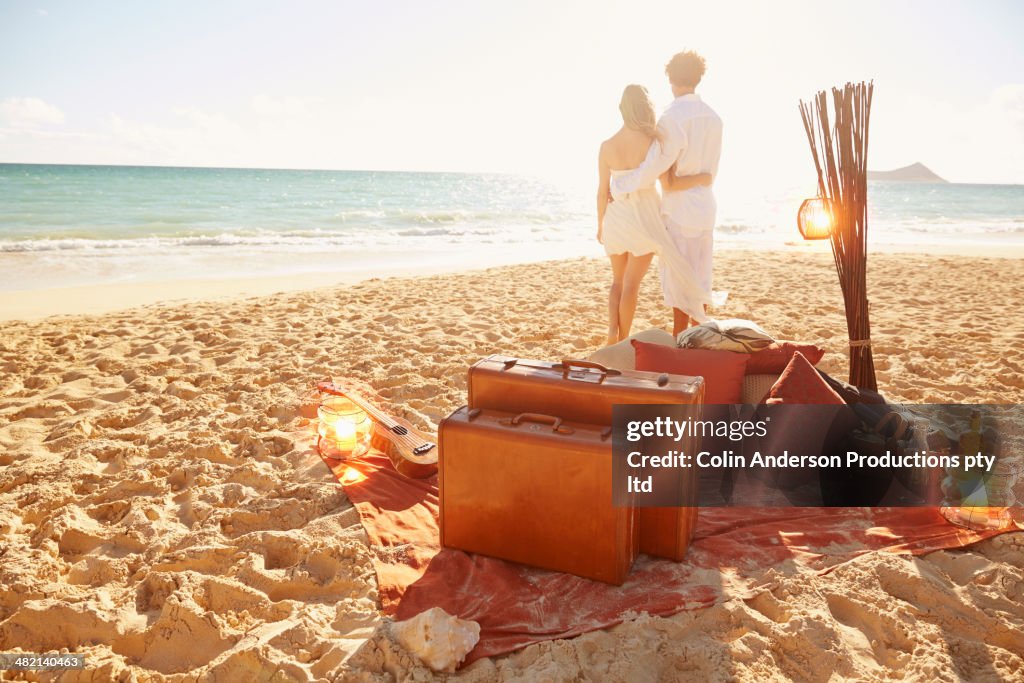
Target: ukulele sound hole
{"type": "Point", "coordinates": [400, 430]}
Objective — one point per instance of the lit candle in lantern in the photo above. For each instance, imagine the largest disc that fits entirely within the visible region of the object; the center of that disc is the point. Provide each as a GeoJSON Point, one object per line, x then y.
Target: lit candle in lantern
{"type": "Point", "coordinates": [814, 219]}
{"type": "Point", "coordinates": [344, 435]}
{"type": "Point", "coordinates": [344, 428]}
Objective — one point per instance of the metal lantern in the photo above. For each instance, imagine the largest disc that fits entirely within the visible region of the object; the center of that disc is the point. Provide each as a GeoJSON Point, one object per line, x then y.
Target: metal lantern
{"type": "Point", "coordinates": [814, 219]}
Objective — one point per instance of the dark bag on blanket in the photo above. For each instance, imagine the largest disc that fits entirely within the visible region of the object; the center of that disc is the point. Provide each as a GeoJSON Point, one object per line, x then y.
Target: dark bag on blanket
{"type": "Point", "coordinates": [890, 433]}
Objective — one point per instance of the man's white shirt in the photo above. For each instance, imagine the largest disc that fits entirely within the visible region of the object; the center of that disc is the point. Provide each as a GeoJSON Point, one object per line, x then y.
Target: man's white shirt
{"type": "Point", "coordinates": [692, 140]}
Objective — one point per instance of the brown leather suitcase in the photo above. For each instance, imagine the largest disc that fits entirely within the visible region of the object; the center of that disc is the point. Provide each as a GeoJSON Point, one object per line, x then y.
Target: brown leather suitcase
{"type": "Point", "coordinates": [576, 390]}
{"type": "Point", "coordinates": [585, 392]}
{"type": "Point", "coordinates": [666, 532]}
{"type": "Point", "coordinates": [533, 489]}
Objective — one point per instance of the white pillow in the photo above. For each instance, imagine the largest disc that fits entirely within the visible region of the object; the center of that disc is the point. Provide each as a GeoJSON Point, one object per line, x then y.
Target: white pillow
{"type": "Point", "coordinates": [622, 356]}
{"type": "Point", "coordinates": [733, 334]}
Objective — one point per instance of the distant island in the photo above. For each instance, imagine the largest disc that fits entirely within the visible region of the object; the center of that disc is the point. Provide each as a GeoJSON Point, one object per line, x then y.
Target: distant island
{"type": "Point", "coordinates": [915, 173]}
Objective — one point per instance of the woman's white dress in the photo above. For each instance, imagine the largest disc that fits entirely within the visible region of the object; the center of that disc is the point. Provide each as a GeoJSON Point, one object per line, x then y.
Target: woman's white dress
{"type": "Point", "coordinates": [633, 224]}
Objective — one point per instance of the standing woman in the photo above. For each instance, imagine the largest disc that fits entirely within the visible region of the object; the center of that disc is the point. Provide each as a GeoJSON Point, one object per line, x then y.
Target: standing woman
{"type": "Point", "coordinates": [631, 229]}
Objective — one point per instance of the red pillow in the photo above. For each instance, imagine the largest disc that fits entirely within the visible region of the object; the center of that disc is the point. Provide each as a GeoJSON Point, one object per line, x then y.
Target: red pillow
{"type": "Point", "coordinates": [807, 418]}
{"type": "Point", "coordinates": [722, 371]}
{"type": "Point", "coordinates": [773, 359]}
{"type": "Point", "coordinates": [800, 383]}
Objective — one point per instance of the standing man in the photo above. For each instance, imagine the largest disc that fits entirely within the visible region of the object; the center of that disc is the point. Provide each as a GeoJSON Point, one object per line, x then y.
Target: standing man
{"type": "Point", "coordinates": [691, 144]}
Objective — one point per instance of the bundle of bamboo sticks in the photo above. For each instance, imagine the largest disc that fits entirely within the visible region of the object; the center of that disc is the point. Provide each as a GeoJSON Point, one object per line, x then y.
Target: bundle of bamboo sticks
{"type": "Point", "coordinates": [840, 154]}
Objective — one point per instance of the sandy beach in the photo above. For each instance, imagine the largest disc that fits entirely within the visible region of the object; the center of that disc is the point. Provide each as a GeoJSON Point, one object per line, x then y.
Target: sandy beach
{"type": "Point", "coordinates": [163, 512]}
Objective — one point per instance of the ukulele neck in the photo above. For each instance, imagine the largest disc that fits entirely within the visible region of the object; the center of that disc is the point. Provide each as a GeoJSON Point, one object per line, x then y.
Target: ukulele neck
{"type": "Point", "coordinates": [375, 413]}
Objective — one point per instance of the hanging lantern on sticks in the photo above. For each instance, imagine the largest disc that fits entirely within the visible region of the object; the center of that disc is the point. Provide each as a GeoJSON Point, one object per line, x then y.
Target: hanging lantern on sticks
{"type": "Point", "coordinates": [814, 219]}
{"type": "Point", "coordinates": [840, 151]}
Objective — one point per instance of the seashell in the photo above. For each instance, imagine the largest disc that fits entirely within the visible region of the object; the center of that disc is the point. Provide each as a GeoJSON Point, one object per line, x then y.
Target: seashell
{"type": "Point", "coordinates": [438, 639]}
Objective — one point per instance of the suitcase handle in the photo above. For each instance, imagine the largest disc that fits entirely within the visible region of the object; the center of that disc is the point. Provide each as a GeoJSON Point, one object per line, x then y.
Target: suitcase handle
{"type": "Point", "coordinates": [569, 364]}
{"type": "Point", "coordinates": [540, 418]}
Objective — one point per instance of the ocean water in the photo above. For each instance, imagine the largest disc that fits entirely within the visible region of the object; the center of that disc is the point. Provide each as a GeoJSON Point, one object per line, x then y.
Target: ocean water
{"type": "Point", "coordinates": [63, 225]}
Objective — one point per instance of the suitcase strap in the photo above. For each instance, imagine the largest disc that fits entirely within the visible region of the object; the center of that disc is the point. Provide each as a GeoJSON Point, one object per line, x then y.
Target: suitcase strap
{"type": "Point", "coordinates": [567, 365]}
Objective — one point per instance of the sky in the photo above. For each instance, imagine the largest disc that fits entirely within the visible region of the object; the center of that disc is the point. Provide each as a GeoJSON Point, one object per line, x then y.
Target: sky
{"type": "Point", "coordinates": [521, 87]}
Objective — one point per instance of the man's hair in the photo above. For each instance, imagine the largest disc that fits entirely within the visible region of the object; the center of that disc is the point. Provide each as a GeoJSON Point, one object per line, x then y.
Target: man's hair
{"type": "Point", "coordinates": [685, 69]}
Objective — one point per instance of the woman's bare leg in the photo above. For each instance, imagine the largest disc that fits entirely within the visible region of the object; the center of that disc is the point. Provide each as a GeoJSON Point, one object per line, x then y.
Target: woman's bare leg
{"type": "Point", "coordinates": [615, 295]}
{"type": "Point", "coordinates": [636, 268]}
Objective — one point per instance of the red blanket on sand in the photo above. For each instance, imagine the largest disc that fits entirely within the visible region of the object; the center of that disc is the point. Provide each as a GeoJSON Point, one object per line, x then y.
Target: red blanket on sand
{"type": "Point", "coordinates": [516, 605]}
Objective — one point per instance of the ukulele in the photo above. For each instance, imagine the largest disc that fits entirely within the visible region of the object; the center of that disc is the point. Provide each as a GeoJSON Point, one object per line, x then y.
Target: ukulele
{"type": "Point", "coordinates": [411, 453]}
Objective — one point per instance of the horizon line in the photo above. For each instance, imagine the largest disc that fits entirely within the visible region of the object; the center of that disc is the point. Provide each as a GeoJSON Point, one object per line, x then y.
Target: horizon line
{"type": "Point", "coordinates": [255, 168]}
{"type": "Point", "coordinates": [381, 170]}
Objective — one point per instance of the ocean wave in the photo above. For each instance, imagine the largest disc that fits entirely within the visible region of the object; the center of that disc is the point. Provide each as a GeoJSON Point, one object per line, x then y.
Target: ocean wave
{"type": "Point", "coordinates": [740, 229]}
{"type": "Point", "coordinates": [299, 240]}
{"type": "Point", "coordinates": [520, 217]}
{"type": "Point", "coordinates": [358, 214]}
{"type": "Point", "coordinates": [952, 227]}
{"type": "Point", "coordinates": [444, 232]}
{"type": "Point", "coordinates": [450, 216]}
{"type": "Point", "coordinates": [157, 243]}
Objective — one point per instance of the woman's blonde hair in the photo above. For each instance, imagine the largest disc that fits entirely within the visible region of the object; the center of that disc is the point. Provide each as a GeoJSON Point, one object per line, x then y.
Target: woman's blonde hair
{"type": "Point", "coordinates": [638, 111]}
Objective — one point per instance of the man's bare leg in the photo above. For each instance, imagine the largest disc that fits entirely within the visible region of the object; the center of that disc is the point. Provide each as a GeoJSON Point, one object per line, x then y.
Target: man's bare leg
{"type": "Point", "coordinates": [680, 321]}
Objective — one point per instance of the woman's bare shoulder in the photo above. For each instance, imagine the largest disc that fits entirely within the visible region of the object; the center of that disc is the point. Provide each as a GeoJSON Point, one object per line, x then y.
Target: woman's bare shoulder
{"type": "Point", "coordinates": [613, 146]}
{"type": "Point", "coordinates": [625, 149]}
{"type": "Point", "coordinates": [608, 149]}
{"type": "Point", "coordinates": [619, 136]}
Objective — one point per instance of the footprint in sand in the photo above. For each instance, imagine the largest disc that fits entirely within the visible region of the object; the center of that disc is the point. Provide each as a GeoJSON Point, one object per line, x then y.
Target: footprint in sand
{"type": "Point", "coordinates": [43, 410]}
